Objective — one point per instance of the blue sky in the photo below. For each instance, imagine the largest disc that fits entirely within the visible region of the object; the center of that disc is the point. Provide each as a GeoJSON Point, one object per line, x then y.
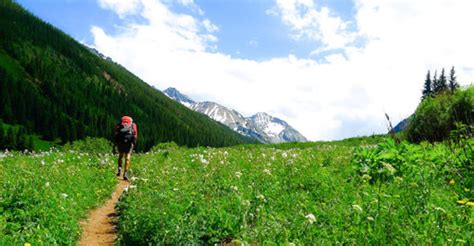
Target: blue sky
{"type": "Point", "coordinates": [330, 68]}
{"type": "Point", "coordinates": [246, 30]}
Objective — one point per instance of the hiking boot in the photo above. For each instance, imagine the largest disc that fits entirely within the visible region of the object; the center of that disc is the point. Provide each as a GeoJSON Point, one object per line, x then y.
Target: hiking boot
{"type": "Point", "coordinates": [125, 176]}
{"type": "Point", "coordinates": [118, 171]}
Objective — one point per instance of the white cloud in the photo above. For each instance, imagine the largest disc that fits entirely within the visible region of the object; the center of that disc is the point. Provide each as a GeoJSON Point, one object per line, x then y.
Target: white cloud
{"type": "Point", "coordinates": [210, 27]}
{"type": "Point", "coordinates": [307, 21]}
{"type": "Point", "coordinates": [345, 96]}
{"type": "Point", "coordinates": [121, 7]}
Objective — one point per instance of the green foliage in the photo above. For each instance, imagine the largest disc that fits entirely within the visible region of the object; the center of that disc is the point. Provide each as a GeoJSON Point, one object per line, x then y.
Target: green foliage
{"type": "Point", "coordinates": [15, 137]}
{"type": "Point", "coordinates": [304, 195]}
{"type": "Point", "coordinates": [170, 146]}
{"type": "Point", "coordinates": [436, 117]}
{"type": "Point", "coordinates": [43, 196]}
{"type": "Point", "coordinates": [60, 89]}
{"type": "Point", "coordinates": [90, 145]}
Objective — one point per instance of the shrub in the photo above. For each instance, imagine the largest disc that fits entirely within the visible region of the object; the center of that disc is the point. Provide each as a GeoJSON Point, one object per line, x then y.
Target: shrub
{"type": "Point", "coordinates": [435, 118]}
{"type": "Point", "coordinates": [91, 145]}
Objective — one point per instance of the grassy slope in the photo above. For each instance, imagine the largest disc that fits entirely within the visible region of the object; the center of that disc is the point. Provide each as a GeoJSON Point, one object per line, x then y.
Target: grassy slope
{"type": "Point", "coordinates": [297, 195]}
{"type": "Point", "coordinates": [43, 196]}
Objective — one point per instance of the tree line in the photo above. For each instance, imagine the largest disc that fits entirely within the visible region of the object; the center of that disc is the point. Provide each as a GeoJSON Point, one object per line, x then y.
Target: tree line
{"type": "Point", "coordinates": [435, 86]}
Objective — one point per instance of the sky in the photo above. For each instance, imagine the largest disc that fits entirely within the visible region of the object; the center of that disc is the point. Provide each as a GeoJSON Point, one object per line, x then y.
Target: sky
{"type": "Point", "coordinates": [330, 68]}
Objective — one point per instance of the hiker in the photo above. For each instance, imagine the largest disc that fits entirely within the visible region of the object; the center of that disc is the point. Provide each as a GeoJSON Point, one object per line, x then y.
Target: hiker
{"type": "Point", "coordinates": [126, 136]}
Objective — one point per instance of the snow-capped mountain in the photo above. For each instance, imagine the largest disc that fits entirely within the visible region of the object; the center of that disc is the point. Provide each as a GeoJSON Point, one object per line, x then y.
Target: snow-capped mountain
{"type": "Point", "coordinates": [261, 126]}
{"type": "Point", "coordinates": [177, 96]}
{"type": "Point", "coordinates": [274, 130]}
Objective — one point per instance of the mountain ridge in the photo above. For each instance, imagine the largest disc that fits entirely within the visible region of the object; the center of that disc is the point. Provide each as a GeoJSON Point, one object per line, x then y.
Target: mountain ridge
{"type": "Point", "coordinates": [260, 126]}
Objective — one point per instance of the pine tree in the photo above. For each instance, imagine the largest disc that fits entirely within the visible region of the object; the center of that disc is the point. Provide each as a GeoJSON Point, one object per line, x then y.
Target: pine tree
{"type": "Point", "coordinates": [10, 139]}
{"type": "Point", "coordinates": [440, 85]}
{"type": "Point", "coordinates": [453, 84]}
{"type": "Point", "coordinates": [30, 144]}
{"type": "Point", "coordinates": [3, 137]}
{"type": "Point", "coordinates": [427, 92]}
{"type": "Point", "coordinates": [434, 83]}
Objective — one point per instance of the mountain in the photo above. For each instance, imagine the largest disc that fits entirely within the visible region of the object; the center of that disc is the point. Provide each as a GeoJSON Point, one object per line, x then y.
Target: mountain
{"type": "Point", "coordinates": [402, 125]}
{"type": "Point", "coordinates": [62, 90]}
{"type": "Point", "coordinates": [261, 126]}
{"type": "Point", "coordinates": [177, 96]}
{"type": "Point", "coordinates": [274, 130]}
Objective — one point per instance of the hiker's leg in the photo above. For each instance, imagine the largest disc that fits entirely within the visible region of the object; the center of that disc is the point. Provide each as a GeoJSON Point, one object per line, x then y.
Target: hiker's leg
{"type": "Point", "coordinates": [119, 167]}
{"type": "Point", "coordinates": [127, 160]}
{"type": "Point", "coordinates": [120, 159]}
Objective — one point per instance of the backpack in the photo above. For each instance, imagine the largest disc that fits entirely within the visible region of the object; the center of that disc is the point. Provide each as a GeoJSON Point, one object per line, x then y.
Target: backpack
{"type": "Point", "coordinates": [125, 132]}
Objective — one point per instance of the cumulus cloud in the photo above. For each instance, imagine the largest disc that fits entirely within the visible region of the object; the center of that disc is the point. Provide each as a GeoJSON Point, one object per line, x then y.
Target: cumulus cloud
{"type": "Point", "coordinates": [308, 21]}
{"type": "Point", "coordinates": [122, 8]}
{"type": "Point", "coordinates": [344, 96]}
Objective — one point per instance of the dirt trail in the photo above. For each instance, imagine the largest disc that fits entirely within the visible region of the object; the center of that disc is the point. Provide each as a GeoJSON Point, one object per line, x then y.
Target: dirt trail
{"type": "Point", "coordinates": [99, 228]}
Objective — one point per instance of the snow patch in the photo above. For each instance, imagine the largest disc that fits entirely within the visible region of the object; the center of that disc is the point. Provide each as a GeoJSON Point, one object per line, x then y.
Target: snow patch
{"type": "Point", "coordinates": [273, 129]}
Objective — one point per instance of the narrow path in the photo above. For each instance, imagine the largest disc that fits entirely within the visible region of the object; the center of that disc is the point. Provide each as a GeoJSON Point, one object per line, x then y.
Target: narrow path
{"type": "Point", "coordinates": [99, 227]}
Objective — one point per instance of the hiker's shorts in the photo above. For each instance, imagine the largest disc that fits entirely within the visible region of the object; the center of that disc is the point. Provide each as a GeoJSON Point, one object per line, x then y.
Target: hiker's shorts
{"type": "Point", "coordinates": [125, 148]}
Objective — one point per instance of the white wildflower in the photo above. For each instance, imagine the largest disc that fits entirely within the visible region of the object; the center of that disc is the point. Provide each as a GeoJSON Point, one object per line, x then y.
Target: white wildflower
{"type": "Point", "coordinates": [238, 174]}
{"type": "Point", "coordinates": [47, 184]}
{"type": "Point", "coordinates": [389, 168]}
{"type": "Point", "coordinates": [42, 162]}
{"type": "Point", "coordinates": [64, 195]}
{"type": "Point", "coordinates": [267, 171]}
{"type": "Point", "coordinates": [311, 218]}
{"type": "Point", "coordinates": [234, 188]}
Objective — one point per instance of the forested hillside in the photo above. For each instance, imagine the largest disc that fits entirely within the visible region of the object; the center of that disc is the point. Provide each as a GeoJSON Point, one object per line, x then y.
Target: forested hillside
{"type": "Point", "coordinates": [57, 88]}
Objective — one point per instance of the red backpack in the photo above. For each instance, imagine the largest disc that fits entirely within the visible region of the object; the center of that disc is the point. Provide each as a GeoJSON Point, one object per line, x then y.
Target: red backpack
{"type": "Point", "coordinates": [125, 130]}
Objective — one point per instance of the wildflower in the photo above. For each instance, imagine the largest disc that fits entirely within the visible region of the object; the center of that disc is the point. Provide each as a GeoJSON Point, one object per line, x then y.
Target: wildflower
{"type": "Point", "coordinates": [27, 244]}
{"type": "Point", "coordinates": [234, 188]}
{"type": "Point", "coordinates": [452, 182]}
{"type": "Point", "coordinates": [366, 177]}
{"type": "Point", "coordinates": [470, 204]}
{"type": "Point", "coordinates": [261, 197]}
{"type": "Point", "coordinates": [246, 203]}
{"type": "Point", "coordinates": [47, 184]}
{"type": "Point", "coordinates": [284, 154]}
{"type": "Point", "coordinates": [238, 174]}
{"type": "Point", "coordinates": [64, 195]}
{"type": "Point", "coordinates": [267, 171]}
{"type": "Point", "coordinates": [311, 218]}
{"type": "Point", "coordinates": [389, 168]}
{"type": "Point", "coordinates": [42, 163]}
{"type": "Point", "coordinates": [462, 202]}
{"type": "Point", "coordinates": [357, 208]}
